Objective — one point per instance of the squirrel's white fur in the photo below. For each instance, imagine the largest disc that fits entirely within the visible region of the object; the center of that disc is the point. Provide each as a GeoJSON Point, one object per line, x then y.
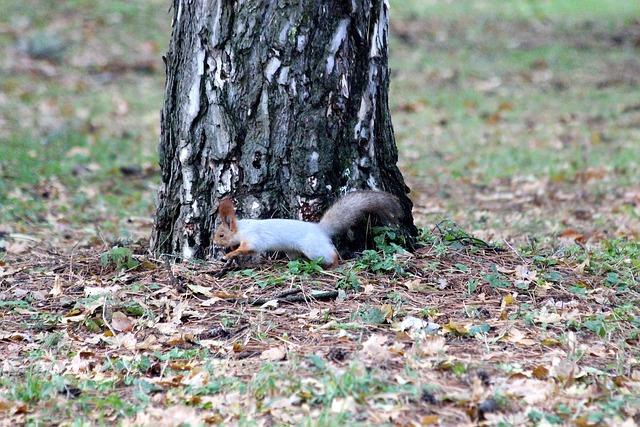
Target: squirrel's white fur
{"type": "Point", "coordinates": [294, 237]}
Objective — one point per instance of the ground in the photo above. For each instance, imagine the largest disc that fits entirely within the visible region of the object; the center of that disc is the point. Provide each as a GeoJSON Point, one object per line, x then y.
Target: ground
{"type": "Point", "coordinates": [518, 130]}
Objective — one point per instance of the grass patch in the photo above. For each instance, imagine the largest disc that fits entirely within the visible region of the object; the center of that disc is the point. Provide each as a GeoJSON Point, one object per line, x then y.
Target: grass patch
{"type": "Point", "coordinates": [402, 346]}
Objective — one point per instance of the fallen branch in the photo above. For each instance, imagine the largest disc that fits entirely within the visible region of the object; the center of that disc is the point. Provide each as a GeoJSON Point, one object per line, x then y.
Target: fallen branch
{"type": "Point", "coordinates": [288, 297]}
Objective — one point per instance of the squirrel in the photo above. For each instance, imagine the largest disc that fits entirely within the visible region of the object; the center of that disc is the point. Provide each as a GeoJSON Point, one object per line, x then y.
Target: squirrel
{"type": "Point", "coordinates": [294, 237]}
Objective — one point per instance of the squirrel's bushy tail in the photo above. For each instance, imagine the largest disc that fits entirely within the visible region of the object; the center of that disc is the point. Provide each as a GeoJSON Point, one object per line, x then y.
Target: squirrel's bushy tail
{"type": "Point", "coordinates": [348, 209]}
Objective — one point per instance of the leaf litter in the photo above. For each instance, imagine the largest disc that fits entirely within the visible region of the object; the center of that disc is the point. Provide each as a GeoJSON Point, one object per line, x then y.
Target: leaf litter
{"type": "Point", "coordinates": [507, 343]}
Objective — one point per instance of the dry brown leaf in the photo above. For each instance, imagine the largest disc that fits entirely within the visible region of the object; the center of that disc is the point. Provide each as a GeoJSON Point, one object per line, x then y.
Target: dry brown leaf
{"type": "Point", "coordinates": [369, 288]}
{"type": "Point", "coordinates": [532, 391]}
{"type": "Point", "coordinates": [540, 372]}
{"type": "Point", "coordinates": [168, 328]}
{"type": "Point", "coordinates": [417, 285]}
{"type": "Point", "coordinates": [274, 354]}
{"type": "Point", "coordinates": [564, 369]}
{"type": "Point", "coordinates": [56, 290]}
{"type": "Point", "coordinates": [17, 247]}
{"type": "Point", "coordinates": [198, 289]}
{"type": "Point", "coordinates": [516, 336]}
{"type": "Point", "coordinates": [100, 290]}
{"type": "Point", "coordinates": [120, 322]}
{"type": "Point", "coordinates": [572, 236]}
{"type": "Point", "coordinates": [374, 348]}
{"type": "Point", "coordinates": [340, 405]}
{"type": "Point", "coordinates": [127, 341]}
{"type": "Point", "coordinates": [545, 316]}
{"type": "Point", "coordinates": [430, 420]}
{"type": "Point", "coordinates": [150, 342]}
{"type": "Point", "coordinates": [171, 416]}
{"type": "Point", "coordinates": [431, 345]}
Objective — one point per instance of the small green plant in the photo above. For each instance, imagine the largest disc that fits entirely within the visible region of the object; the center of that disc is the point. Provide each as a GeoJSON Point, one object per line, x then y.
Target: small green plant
{"type": "Point", "coordinates": [472, 285]}
{"type": "Point", "coordinates": [387, 240]}
{"type": "Point", "coordinates": [119, 258]}
{"type": "Point", "coordinates": [33, 388]}
{"type": "Point", "coordinates": [300, 266]}
{"type": "Point", "coordinates": [349, 281]}
{"type": "Point", "coordinates": [372, 315]}
{"type": "Point", "coordinates": [378, 262]}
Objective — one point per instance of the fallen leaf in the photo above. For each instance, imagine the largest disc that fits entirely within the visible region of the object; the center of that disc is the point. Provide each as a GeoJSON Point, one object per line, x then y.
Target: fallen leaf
{"type": "Point", "coordinates": [508, 300]}
{"type": "Point", "coordinates": [540, 372]}
{"type": "Point", "coordinates": [516, 336]}
{"type": "Point", "coordinates": [120, 322]}
{"type": "Point", "coordinates": [417, 285]}
{"type": "Point", "coordinates": [455, 328]}
{"type": "Point", "coordinates": [273, 354]}
{"type": "Point", "coordinates": [127, 341]}
{"type": "Point", "coordinates": [525, 274]}
{"type": "Point", "coordinates": [546, 317]}
{"type": "Point", "coordinates": [532, 391]}
{"type": "Point", "coordinates": [415, 324]}
{"type": "Point", "coordinates": [95, 290]}
{"type": "Point", "coordinates": [564, 369]}
{"type": "Point", "coordinates": [270, 304]}
{"type": "Point", "coordinates": [374, 348]}
{"type": "Point", "coordinates": [197, 289]}
{"type": "Point", "coordinates": [56, 290]}
{"type": "Point", "coordinates": [340, 405]}
{"type": "Point", "coordinates": [431, 345]}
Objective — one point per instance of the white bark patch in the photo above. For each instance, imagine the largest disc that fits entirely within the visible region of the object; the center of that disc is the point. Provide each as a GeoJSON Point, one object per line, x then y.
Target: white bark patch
{"type": "Point", "coordinates": [179, 14]}
{"type": "Point", "coordinates": [255, 209]}
{"type": "Point", "coordinates": [313, 182]}
{"type": "Point", "coordinates": [344, 86]}
{"type": "Point", "coordinates": [313, 162]}
{"type": "Point", "coordinates": [282, 37]}
{"type": "Point", "coordinates": [379, 36]}
{"type": "Point", "coordinates": [366, 118]}
{"type": "Point", "coordinates": [337, 40]}
{"type": "Point", "coordinates": [283, 77]}
{"type": "Point", "coordinates": [220, 138]}
{"type": "Point", "coordinates": [373, 182]}
{"type": "Point", "coordinates": [218, 74]}
{"type": "Point", "coordinates": [215, 20]}
{"type": "Point", "coordinates": [364, 112]}
{"type": "Point", "coordinates": [301, 42]}
{"type": "Point", "coordinates": [194, 93]}
{"type": "Point", "coordinates": [271, 68]}
{"type": "Point", "coordinates": [187, 252]}
{"type": "Point", "coordinates": [224, 183]}
{"type": "Point", "coordinates": [184, 155]}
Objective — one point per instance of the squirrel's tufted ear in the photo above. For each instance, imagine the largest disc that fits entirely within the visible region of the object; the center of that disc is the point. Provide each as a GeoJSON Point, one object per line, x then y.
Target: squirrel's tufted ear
{"type": "Point", "coordinates": [227, 213]}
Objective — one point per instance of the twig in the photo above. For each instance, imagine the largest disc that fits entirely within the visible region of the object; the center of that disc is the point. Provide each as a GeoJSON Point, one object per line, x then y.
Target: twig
{"type": "Point", "coordinates": [287, 297]}
{"type": "Point", "coordinates": [106, 322]}
{"type": "Point", "coordinates": [174, 281]}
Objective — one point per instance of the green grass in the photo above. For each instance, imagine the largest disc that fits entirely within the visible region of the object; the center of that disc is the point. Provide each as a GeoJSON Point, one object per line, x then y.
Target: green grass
{"type": "Point", "coordinates": [70, 127]}
{"type": "Point", "coordinates": [566, 10]}
{"type": "Point", "coordinates": [538, 92]}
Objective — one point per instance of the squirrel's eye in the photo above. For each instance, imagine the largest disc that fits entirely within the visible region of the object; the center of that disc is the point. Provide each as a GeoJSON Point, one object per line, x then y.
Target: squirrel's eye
{"type": "Point", "coordinates": [221, 235]}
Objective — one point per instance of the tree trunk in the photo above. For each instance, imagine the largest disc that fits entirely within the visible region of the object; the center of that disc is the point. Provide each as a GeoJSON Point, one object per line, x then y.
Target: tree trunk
{"type": "Point", "coordinates": [281, 105]}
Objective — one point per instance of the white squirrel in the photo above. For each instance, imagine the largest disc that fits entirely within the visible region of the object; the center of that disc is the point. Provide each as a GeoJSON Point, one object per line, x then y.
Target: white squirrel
{"type": "Point", "coordinates": [295, 237]}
